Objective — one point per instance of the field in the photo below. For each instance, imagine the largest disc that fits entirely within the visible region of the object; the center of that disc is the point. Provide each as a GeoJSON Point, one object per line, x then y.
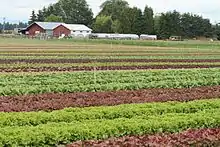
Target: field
{"type": "Point", "coordinates": [109, 93]}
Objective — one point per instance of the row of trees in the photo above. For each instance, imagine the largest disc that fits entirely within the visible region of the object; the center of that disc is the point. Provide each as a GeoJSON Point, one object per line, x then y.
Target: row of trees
{"type": "Point", "coordinates": [186, 25]}
{"type": "Point", "coordinates": [116, 16]}
{"type": "Point", "coordinates": [11, 26]}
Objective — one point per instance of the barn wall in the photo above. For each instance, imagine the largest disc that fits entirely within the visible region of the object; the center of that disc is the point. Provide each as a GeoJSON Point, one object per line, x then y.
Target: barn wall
{"type": "Point", "coordinates": [58, 31]}
{"type": "Point", "coordinates": [33, 29]}
{"type": "Point", "coordinates": [78, 33]}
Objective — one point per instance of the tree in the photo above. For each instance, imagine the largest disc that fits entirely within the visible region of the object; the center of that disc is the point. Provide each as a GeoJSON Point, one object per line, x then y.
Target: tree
{"type": "Point", "coordinates": [194, 26]}
{"type": "Point", "coordinates": [126, 20]}
{"type": "Point", "coordinates": [113, 8]}
{"type": "Point", "coordinates": [40, 16]}
{"type": "Point", "coordinates": [169, 24]}
{"type": "Point", "coordinates": [116, 26]}
{"type": "Point", "coordinates": [137, 27]}
{"type": "Point", "coordinates": [131, 21]}
{"type": "Point", "coordinates": [103, 24]}
{"type": "Point", "coordinates": [148, 18]}
{"type": "Point", "coordinates": [53, 18]}
{"type": "Point", "coordinates": [216, 31]}
{"type": "Point", "coordinates": [75, 11]}
{"type": "Point", "coordinates": [33, 17]}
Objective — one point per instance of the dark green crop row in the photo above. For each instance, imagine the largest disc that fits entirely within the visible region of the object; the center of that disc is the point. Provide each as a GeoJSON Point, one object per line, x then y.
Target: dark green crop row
{"type": "Point", "coordinates": [23, 84]}
{"type": "Point", "coordinates": [105, 124]}
{"type": "Point", "coordinates": [123, 111]}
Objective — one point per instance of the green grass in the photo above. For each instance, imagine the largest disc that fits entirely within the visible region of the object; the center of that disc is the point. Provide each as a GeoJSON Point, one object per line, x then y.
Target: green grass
{"type": "Point", "coordinates": [74, 124]}
{"type": "Point", "coordinates": [22, 84]}
{"type": "Point", "coordinates": [182, 44]}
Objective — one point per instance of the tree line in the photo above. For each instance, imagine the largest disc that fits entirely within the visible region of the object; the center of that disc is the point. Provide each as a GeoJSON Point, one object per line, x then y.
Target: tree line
{"type": "Point", "coordinates": [116, 16]}
{"type": "Point", "coordinates": [11, 26]}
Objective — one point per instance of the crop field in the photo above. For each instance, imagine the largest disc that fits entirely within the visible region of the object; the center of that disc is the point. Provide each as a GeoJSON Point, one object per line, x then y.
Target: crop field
{"type": "Point", "coordinates": [109, 93]}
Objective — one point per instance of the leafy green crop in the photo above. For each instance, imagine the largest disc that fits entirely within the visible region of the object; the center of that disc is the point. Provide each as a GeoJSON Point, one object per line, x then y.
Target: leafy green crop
{"type": "Point", "coordinates": [51, 134]}
{"type": "Point", "coordinates": [70, 115]}
{"type": "Point", "coordinates": [23, 84]}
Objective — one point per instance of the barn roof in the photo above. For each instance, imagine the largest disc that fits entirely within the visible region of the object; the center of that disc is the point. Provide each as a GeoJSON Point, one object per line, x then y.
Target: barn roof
{"type": "Point", "coordinates": [53, 25]}
{"type": "Point", "coordinates": [48, 25]}
{"type": "Point", "coordinates": [77, 27]}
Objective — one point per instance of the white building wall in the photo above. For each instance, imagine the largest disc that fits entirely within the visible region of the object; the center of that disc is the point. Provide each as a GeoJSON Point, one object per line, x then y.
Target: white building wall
{"type": "Point", "coordinates": [80, 34]}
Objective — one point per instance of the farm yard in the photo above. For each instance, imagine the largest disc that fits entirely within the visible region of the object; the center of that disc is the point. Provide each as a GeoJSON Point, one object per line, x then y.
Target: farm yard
{"type": "Point", "coordinates": [109, 93]}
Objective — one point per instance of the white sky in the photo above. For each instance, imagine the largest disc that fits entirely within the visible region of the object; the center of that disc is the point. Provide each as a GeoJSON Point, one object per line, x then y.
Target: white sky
{"type": "Point", "coordinates": [20, 10]}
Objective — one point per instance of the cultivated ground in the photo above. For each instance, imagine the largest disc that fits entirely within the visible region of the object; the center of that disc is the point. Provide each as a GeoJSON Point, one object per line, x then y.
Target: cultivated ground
{"type": "Point", "coordinates": [109, 93]}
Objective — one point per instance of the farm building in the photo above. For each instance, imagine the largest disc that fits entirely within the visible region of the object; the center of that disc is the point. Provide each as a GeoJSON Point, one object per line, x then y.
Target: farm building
{"type": "Point", "coordinates": [114, 36]}
{"type": "Point", "coordinates": [78, 30]}
{"type": "Point", "coordinates": [148, 37]}
{"type": "Point", "coordinates": [57, 29]}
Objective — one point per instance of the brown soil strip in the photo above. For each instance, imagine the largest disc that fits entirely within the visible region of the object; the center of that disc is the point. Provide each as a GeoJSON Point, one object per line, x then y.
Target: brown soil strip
{"type": "Point", "coordinates": [52, 101]}
{"type": "Point", "coordinates": [200, 137]}
{"type": "Point", "coordinates": [9, 61]}
{"type": "Point", "coordinates": [100, 68]}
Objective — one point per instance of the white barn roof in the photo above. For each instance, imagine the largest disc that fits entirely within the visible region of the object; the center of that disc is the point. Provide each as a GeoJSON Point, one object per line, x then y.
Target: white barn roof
{"type": "Point", "coordinates": [48, 25]}
{"type": "Point", "coordinates": [53, 25]}
{"type": "Point", "coordinates": [77, 27]}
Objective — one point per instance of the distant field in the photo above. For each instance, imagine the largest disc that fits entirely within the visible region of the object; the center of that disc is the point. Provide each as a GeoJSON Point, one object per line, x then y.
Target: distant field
{"type": "Point", "coordinates": [181, 44]}
{"type": "Point", "coordinates": [130, 90]}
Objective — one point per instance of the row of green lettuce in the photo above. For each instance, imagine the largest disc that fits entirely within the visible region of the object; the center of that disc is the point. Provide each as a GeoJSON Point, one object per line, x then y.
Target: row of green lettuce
{"type": "Point", "coordinates": [74, 124]}
{"type": "Point", "coordinates": [69, 115]}
{"type": "Point", "coordinates": [38, 83]}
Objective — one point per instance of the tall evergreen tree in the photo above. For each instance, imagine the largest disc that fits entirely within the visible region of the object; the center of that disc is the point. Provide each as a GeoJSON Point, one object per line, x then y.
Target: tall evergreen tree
{"type": "Point", "coordinates": [169, 25]}
{"type": "Point", "coordinates": [137, 27]}
{"type": "Point", "coordinates": [33, 17]}
{"type": "Point", "coordinates": [40, 16]}
{"type": "Point", "coordinates": [148, 17]}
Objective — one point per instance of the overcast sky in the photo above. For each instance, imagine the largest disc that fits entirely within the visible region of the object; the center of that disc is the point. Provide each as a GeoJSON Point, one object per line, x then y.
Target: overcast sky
{"type": "Point", "coordinates": [20, 10]}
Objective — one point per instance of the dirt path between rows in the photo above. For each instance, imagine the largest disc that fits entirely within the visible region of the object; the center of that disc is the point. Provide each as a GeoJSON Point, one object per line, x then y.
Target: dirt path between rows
{"type": "Point", "coordinates": [100, 68]}
{"type": "Point", "coordinates": [200, 137]}
{"type": "Point", "coordinates": [85, 99]}
{"type": "Point", "coordinates": [9, 61]}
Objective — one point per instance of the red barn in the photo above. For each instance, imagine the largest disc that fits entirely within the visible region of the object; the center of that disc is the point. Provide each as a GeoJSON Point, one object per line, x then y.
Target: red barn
{"type": "Point", "coordinates": [33, 29]}
{"type": "Point", "coordinates": [41, 27]}
{"type": "Point", "coordinates": [57, 29]}
{"type": "Point", "coordinates": [61, 29]}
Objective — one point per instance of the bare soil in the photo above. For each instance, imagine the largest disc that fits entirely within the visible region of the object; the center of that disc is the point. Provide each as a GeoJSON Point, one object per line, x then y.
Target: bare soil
{"type": "Point", "coordinates": [52, 101]}
{"type": "Point", "coordinates": [197, 138]}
